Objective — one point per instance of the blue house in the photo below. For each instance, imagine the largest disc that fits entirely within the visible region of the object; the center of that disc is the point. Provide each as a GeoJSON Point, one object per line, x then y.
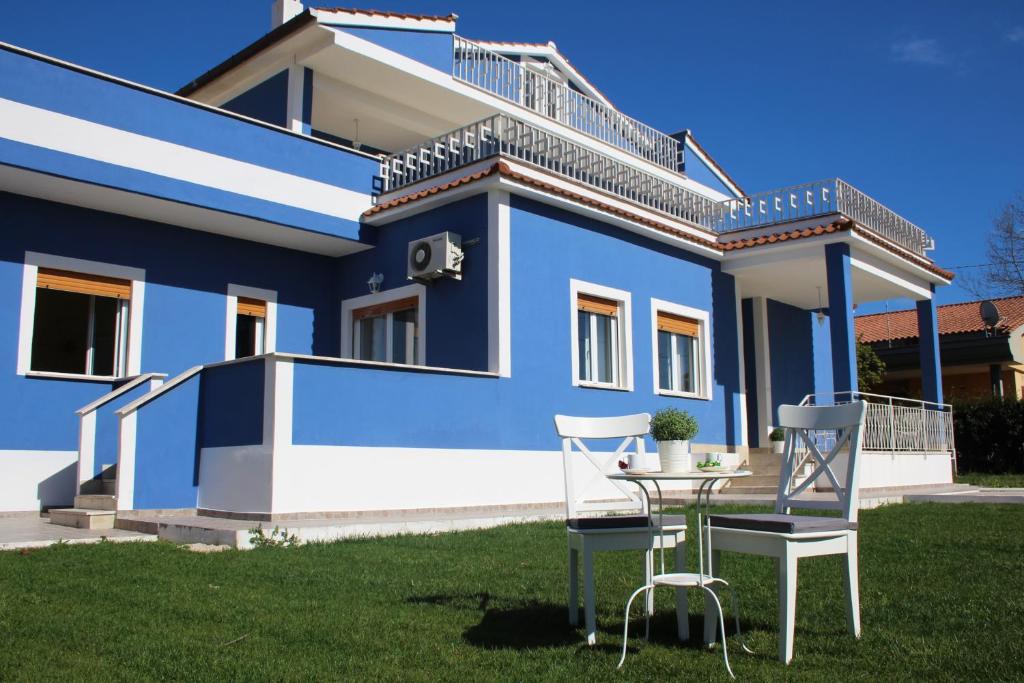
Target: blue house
{"type": "Point", "coordinates": [367, 245]}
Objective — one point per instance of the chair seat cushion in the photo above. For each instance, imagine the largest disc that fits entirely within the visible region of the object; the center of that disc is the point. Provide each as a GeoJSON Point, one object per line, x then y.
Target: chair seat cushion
{"type": "Point", "coordinates": [622, 522]}
{"type": "Point", "coordinates": [782, 524]}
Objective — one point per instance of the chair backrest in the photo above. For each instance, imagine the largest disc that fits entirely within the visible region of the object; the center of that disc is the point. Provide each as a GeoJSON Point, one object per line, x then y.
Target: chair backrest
{"type": "Point", "coordinates": [591, 493]}
{"type": "Point", "coordinates": [801, 423]}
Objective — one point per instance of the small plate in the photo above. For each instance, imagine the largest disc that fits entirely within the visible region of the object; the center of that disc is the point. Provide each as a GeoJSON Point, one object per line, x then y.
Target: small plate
{"type": "Point", "coordinates": [720, 468]}
{"type": "Point", "coordinates": [636, 470]}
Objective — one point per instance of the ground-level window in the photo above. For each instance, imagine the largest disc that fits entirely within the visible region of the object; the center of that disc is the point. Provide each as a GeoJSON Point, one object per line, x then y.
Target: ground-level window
{"type": "Point", "coordinates": [80, 323]}
{"type": "Point", "coordinates": [387, 332]}
{"type": "Point", "coordinates": [680, 350]}
{"type": "Point", "coordinates": [250, 327]}
{"type": "Point", "coordinates": [601, 339]}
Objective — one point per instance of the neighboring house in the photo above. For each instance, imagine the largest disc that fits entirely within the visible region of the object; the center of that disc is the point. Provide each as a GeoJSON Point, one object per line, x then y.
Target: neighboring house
{"type": "Point", "coordinates": [977, 359]}
{"type": "Point", "coordinates": [218, 280]}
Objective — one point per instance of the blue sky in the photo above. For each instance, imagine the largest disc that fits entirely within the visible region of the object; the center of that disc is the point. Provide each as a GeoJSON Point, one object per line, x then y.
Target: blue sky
{"type": "Point", "coordinates": [919, 104]}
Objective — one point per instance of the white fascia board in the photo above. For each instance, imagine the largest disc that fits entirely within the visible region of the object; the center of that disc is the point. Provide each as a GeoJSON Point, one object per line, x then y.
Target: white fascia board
{"type": "Point", "coordinates": [912, 287]}
{"type": "Point", "coordinates": [713, 167]}
{"type": "Point", "coordinates": [905, 263]}
{"type": "Point", "coordinates": [295, 49]}
{"type": "Point", "coordinates": [356, 19]}
{"type": "Point", "coordinates": [550, 51]}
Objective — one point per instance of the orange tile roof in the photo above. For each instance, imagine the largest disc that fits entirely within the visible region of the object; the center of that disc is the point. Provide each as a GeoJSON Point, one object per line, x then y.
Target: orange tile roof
{"type": "Point", "coordinates": [505, 170]}
{"type": "Point", "coordinates": [381, 13]}
{"type": "Point", "coordinates": [953, 319]}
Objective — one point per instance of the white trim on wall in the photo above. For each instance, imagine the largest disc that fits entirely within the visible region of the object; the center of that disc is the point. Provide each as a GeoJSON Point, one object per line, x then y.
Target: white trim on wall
{"type": "Point", "coordinates": [270, 324]}
{"type": "Point", "coordinates": [742, 365]}
{"type": "Point", "coordinates": [625, 329]}
{"type": "Point", "coordinates": [704, 341]}
{"type": "Point", "coordinates": [33, 262]}
{"type": "Point", "coordinates": [763, 369]}
{"type": "Point", "coordinates": [348, 305]}
{"type": "Point", "coordinates": [499, 274]}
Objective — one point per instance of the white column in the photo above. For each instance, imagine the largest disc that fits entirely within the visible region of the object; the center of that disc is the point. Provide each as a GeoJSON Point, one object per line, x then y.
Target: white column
{"type": "Point", "coordinates": [763, 371]}
{"type": "Point", "coordinates": [499, 313]}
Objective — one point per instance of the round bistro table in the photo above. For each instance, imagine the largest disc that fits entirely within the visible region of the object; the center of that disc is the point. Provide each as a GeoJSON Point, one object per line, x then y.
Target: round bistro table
{"type": "Point", "coordinates": [700, 579]}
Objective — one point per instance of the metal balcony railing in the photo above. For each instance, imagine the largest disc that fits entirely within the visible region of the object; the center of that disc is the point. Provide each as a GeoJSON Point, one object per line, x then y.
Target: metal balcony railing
{"type": "Point", "coordinates": [529, 88]}
{"type": "Point", "coordinates": [821, 198]}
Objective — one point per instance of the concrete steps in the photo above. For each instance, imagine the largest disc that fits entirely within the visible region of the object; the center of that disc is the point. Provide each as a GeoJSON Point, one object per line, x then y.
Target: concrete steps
{"type": "Point", "coordinates": [83, 519]}
{"type": "Point", "coordinates": [96, 502]}
{"type": "Point", "coordinates": [764, 479]}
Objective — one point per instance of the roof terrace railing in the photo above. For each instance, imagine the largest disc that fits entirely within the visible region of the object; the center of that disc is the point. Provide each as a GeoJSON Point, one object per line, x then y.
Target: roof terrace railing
{"type": "Point", "coordinates": [821, 198]}
{"type": "Point", "coordinates": [509, 136]}
{"type": "Point", "coordinates": [502, 134]}
{"type": "Point", "coordinates": [518, 83]}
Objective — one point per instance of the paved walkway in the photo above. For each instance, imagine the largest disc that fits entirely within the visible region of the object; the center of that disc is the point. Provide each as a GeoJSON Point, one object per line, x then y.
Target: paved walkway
{"type": "Point", "coordinates": [37, 532]}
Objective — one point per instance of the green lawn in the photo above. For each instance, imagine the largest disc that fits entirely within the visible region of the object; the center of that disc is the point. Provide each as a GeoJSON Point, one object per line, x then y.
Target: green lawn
{"type": "Point", "coordinates": [941, 595]}
{"type": "Point", "coordinates": [991, 480]}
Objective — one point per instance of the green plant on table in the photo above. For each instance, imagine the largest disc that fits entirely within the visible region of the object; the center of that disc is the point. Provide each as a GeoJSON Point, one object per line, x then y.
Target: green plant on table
{"type": "Point", "coordinates": [711, 461]}
{"type": "Point", "coordinates": [672, 424]}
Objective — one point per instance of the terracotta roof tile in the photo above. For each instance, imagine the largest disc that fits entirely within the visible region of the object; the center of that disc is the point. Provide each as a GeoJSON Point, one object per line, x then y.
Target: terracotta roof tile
{"type": "Point", "coordinates": [953, 319]}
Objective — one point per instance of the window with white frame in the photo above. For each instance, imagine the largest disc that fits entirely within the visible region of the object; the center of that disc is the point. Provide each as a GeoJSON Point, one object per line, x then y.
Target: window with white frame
{"type": "Point", "coordinates": [681, 350]}
{"type": "Point", "coordinates": [387, 332]}
{"type": "Point", "coordinates": [250, 327]}
{"type": "Point", "coordinates": [80, 323]}
{"type": "Point", "coordinates": [601, 337]}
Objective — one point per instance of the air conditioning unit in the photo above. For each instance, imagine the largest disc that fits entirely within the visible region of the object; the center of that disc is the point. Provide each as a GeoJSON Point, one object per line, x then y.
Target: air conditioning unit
{"type": "Point", "coordinates": [436, 256]}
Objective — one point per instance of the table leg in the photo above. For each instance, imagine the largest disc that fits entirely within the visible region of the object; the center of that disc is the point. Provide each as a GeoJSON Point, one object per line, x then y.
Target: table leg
{"type": "Point", "coordinates": [682, 599]}
{"type": "Point", "coordinates": [574, 586]}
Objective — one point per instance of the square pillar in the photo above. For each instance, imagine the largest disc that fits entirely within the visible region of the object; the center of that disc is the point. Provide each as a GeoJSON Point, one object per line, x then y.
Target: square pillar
{"type": "Point", "coordinates": [840, 317]}
{"type": "Point", "coordinates": [928, 346]}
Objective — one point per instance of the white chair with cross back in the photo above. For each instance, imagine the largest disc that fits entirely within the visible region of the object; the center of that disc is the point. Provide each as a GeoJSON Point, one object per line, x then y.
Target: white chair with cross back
{"type": "Point", "coordinates": [788, 537]}
{"type": "Point", "coordinates": [589, 491]}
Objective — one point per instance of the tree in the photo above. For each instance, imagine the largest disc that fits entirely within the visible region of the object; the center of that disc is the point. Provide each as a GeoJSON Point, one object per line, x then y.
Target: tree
{"type": "Point", "coordinates": [1003, 275]}
{"type": "Point", "coordinates": [870, 368]}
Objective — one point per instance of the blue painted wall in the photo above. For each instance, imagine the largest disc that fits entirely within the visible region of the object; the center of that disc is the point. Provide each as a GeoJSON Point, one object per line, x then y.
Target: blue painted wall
{"type": "Point", "coordinates": [428, 47]}
{"type": "Point", "coordinates": [697, 170]}
{"type": "Point", "coordinates": [822, 359]}
{"type": "Point", "coordinates": [107, 424]}
{"type": "Point", "coordinates": [60, 89]}
{"type": "Point", "coordinates": [187, 274]}
{"type": "Point", "coordinates": [791, 354]}
{"type": "Point", "coordinates": [231, 405]}
{"type": "Point", "coordinates": [456, 310]}
{"type": "Point", "coordinates": [167, 449]}
{"type": "Point", "coordinates": [357, 406]}
{"type": "Point", "coordinates": [267, 101]}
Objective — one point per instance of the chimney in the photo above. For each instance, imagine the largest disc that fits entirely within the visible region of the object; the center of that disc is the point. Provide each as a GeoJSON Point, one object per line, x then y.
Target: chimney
{"type": "Point", "coordinates": [284, 10]}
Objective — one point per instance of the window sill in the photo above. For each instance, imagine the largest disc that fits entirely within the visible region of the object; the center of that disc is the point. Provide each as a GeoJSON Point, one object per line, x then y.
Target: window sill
{"type": "Point", "coordinates": [41, 374]}
{"type": "Point", "coordinates": [682, 394]}
{"type": "Point", "coordinates": [607, 387]}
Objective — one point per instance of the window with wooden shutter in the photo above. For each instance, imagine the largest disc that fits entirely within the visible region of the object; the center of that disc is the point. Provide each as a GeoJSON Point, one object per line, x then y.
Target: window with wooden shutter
{"type": "Point", "coordinates": [677, 324]}
{"type": "Point", "coordinates": [679, 348]}
{"type": "Point", "coordinates": [387, 332]}
{"type": "Point", "coordinates": [81, 283]}
{"type": "Point", "coordinates": [599, 340]}
{"type": "Point", "coordinates": [253, 307]}
{"type": "Point", "coordinates": [595, 304]}
{"type": "Point", "coordinates": [385, 308]}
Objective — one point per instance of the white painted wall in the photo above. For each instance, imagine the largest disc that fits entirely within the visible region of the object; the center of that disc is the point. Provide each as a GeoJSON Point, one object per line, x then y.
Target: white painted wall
{"type": "Point", "coordinates": [33, 479]}
{"type": "Point", "coordinates": [879, 470]}
{"type": "Point", "coordinates": [236, 479]}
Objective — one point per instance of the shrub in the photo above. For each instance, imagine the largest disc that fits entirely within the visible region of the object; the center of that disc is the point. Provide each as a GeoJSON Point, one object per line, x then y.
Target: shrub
{"type": "Point", "coordinates": [672, 424]}
{"type": "Point", "coordinates": [989, 435]}
{"type": "Point", "coordinates": [777, 434]}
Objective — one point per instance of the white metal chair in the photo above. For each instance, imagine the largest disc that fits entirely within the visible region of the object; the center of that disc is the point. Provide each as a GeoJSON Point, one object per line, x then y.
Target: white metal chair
{"type": "Point", "coordinates": [787, 537]}
{"type": "Point", "coordinates": [590, 534]}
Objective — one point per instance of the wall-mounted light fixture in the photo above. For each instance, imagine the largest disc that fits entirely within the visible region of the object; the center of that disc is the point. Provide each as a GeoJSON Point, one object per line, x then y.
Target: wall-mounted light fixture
{"type": "Point", "coordinates": [375, 280]}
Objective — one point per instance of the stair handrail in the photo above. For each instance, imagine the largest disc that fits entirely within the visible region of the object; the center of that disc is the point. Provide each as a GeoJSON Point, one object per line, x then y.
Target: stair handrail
{"type": "Point", "coordinates": [121, 390]}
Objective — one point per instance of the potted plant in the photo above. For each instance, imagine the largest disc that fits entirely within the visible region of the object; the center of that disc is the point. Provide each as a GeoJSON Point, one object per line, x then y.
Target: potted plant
{"type": "Point", "coordinates": [778, 439]}
{"type": "Point", "coordinates": [672, 429]}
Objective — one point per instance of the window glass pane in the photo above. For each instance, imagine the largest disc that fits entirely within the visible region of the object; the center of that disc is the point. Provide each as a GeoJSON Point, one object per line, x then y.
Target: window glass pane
{"type": "Point", "coordinates": [104, 334]}
{"type": "Point", "coordinates": [404, 336]}
{"type": "Point", "coordinates": [685, 347]}
{"type": "Point", "coordinates": [372, 340]}
{"type": "Point", "coordinates": [604, 349]}
{"type": "Point", "coordinates": [665, 370]}
{"type": "Point", "coordinates": [60, 331]}
{"type": "Point", "coordinates": [584, 343]}
{"type": "Point", "coordinates": [245, 336]}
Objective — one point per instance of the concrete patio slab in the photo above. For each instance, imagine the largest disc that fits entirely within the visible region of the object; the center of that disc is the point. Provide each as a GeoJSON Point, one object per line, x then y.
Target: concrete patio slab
{"type": "Point", "coordinates": [37, 532]}
{"type": "Point", "coordinates": [991, 496]}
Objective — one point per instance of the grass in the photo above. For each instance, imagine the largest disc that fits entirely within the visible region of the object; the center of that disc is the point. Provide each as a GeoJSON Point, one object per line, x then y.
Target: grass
{"type": "Point", "coordinates": [991, 480]}
{"type": "Point", "coordinates": [940, 589]}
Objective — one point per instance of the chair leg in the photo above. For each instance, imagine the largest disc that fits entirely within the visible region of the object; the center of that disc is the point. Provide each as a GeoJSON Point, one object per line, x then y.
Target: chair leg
{"type": "Point", "coordinates": [682, 601]}
{"type": "Point", "coordinates": [709, 616]}
{"type": "Point", "coordinates": [589, 608]}
{"type": "Point", "coordinates": [852, 586]}
{"type": "Point", "coordinates": [787, 604]}
{"type": "Point", "coordinates": [574, 586]}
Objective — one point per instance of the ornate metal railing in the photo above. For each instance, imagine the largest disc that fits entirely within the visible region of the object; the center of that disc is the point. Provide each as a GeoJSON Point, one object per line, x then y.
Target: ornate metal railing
{"type": "Point", "coordinates": [509, 136]}
{"type": "Point", "coordinates": [529, 88]}
{"type": "Point", "coordinates": [821, 198]}
{"type": "Point", "coordinates": [899, 425]}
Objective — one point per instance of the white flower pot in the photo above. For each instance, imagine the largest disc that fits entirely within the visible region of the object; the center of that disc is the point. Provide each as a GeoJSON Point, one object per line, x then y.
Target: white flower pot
{"type": "Point", "coordinates": [778, 447]}
{"type": "Point", "coordinates": [674, 456]}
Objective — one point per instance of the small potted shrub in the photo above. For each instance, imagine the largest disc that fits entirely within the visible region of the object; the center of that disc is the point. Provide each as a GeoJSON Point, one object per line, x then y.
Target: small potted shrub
{"type": "Point", "coordinates": [672, 429]}
{"type": "Point", "coordinates": [778, 439]}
